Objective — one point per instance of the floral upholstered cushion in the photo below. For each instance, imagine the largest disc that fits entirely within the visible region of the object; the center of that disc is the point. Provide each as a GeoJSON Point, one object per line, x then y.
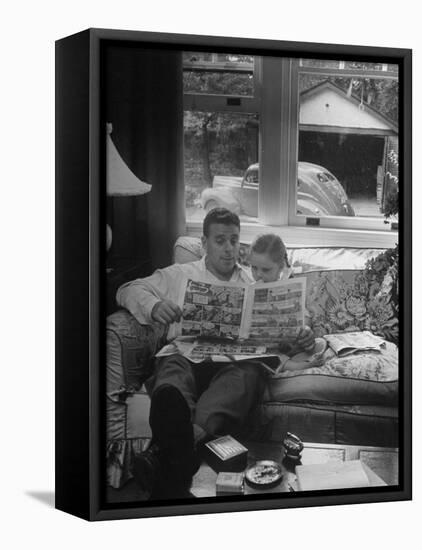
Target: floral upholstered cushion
{"type": "Point", "coordinates": [368, 378]}
{"type": "Point", "coordinates": [346, 300]}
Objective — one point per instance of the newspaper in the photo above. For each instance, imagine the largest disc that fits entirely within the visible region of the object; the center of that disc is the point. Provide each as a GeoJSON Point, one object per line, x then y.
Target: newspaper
{"type": "Point", "coordinates": [346, 343]}
{"type": "Point", "coordinates": [226, 321]}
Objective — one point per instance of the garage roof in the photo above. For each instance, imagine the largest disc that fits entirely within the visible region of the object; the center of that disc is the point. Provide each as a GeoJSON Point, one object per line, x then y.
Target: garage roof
{"type": "Point", "coordinates": [327, 108]}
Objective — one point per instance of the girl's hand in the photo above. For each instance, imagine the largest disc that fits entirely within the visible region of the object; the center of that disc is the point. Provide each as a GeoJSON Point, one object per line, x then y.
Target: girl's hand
{"type": "Point", "coordinates": [306, 338]}
{"type": "Point", "coordinates": [316, 360]}
{"type": "Point", "coordinates": [302, 364]}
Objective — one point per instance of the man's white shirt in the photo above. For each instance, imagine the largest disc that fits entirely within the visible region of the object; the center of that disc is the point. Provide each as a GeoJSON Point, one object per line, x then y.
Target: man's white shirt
{"type": "Point", "coordinates": [141, 295]}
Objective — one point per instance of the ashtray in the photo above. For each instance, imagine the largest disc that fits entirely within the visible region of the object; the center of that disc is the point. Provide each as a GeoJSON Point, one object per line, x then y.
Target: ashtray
{"type": "Point", "coordinates": [264, 474]}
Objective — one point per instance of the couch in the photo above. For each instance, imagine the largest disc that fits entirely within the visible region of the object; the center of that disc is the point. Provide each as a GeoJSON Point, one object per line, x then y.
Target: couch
{"type": "Point", "coordinates": [352, 400]}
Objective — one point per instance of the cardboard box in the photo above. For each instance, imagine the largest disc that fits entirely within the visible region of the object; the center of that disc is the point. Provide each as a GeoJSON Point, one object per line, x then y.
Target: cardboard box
{"type": "Point", "coordinates": [229, 483]}
{"type": "Point", "coordinates": [225, 454]}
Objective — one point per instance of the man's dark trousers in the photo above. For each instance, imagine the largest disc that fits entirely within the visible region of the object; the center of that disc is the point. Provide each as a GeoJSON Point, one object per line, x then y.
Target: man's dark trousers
{"type": "Point", "coordinates": [219, 395]}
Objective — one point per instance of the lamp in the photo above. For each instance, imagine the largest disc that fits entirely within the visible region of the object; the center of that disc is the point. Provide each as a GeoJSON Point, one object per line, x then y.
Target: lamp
{"type": "Point", "coordinates": [121, 181]}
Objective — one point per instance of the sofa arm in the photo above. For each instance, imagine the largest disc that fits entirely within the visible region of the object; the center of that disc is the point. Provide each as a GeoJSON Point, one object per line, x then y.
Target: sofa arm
{"type": "Point", "coordinates": [130, 350]}
{"type": "Point", "coordinates": [187, 249]}
{"type": "Point", "coordinates": [129, 360]}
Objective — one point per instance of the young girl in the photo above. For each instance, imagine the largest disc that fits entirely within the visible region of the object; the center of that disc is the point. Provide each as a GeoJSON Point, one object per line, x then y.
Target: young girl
{"type": "Point", "coordinates": [269, 262]}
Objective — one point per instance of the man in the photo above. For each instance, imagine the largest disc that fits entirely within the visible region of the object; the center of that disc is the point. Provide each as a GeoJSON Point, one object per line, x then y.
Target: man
{"type": "Point", "coordinates": [191, 403]}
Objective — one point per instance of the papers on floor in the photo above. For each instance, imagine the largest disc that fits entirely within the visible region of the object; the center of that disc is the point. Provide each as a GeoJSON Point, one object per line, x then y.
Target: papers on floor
{"type": "Point", "coordinates": [335, 475]}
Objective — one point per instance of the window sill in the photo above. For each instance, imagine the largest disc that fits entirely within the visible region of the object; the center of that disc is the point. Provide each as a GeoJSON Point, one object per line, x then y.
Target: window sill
{"type": "Point", "coordinates": [295, 236]}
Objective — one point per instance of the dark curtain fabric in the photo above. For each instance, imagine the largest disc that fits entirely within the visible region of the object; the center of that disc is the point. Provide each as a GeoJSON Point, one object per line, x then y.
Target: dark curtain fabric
{"type": "Point", "coordinates": [144, 103]}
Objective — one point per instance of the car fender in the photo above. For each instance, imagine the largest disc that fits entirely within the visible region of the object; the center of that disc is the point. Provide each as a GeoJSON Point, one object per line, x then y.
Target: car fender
{"type": "Point", "coordinates": [224, 197]}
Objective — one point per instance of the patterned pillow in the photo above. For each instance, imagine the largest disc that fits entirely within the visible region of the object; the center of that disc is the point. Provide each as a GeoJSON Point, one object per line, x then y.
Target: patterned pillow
{"type": "Point", "coordinates": [346, 300]}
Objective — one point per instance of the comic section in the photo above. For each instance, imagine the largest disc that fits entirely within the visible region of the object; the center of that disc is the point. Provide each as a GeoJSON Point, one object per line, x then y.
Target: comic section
{"type": "Point", "coordinates": [212, 311]}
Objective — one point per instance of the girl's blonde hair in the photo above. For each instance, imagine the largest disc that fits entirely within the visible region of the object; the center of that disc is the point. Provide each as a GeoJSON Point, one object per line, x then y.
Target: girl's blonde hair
{"type": "Point", "coordinates": [272, 245]}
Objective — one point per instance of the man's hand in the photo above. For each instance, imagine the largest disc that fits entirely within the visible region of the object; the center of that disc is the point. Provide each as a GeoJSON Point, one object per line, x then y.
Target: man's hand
{"type": "Point", "coordinates": [306, 338]}
{"type": "Point", "coordinates": [166, 312]}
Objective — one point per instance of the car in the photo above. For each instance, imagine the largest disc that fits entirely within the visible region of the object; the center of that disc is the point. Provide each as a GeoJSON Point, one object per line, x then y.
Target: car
{"type": "Point", "coordinates": [319, 193]}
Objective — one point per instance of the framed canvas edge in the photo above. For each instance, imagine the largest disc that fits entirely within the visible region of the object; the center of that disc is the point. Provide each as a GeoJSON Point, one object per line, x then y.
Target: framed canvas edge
{"type": "Point", "coordinates": [266, 503]}
{"type": "Point", "coordinates": [72, 211]}
{"type": "Point", "coordinates": [405, 276]}
{"type": "Point", "coordinates": [282, 47]}
{"type": "Point", "coordinates": [93, 454]}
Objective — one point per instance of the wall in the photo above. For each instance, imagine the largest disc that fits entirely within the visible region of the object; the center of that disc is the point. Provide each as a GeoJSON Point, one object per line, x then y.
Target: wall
{"type": "Point", "coordinates": [329, 108]}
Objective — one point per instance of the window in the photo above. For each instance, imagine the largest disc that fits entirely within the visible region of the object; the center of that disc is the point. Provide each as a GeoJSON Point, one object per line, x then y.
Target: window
{"type": "Point", "coordinates": [348, 126]}
{"type": "Point", "coordinates": [218, 146]}
{"type": "Point", "coordinates": [209, 73]}
{"type": "Point", "coordinates": [221, 133]}
{"type": "Point", "coordinates": [290, 142]}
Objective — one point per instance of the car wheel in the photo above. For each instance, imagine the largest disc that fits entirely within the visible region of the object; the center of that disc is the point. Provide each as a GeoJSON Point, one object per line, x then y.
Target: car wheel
{"type": "Point", "coordinates": [210, 206]}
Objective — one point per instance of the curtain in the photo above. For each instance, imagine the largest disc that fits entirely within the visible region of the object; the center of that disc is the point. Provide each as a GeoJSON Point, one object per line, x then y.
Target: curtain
{"type": "Point", "coordinates": [143, 92]}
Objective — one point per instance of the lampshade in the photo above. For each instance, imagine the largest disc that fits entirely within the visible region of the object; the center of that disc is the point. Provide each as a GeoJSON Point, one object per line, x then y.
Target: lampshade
{"type": "Point", "coordinates": [121, 181]}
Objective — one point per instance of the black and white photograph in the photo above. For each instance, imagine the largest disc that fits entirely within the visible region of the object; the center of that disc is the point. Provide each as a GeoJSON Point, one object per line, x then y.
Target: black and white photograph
{"type": "Point", "coordinates": [246, 166]}
{"type": "Point", "coordinates": [124, 126]}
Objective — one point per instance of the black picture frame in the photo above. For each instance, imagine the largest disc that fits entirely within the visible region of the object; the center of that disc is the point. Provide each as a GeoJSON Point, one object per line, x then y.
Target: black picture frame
{"type": "Point", "coordinates": [80, 279]}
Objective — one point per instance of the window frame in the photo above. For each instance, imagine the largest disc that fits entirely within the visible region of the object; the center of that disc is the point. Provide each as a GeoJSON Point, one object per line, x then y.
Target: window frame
{"type": "Point", "coordinates": [197, 101]}
{"type": "Point", "coordinates": [340, 222]}
{"type": "Point", "coordinates": [278, 111]}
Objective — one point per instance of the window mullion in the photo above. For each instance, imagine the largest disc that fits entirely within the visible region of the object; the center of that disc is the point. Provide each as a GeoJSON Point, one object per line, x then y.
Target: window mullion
{"type": "Point", "coordinates": [292, 127]}
{"type": "Point", "coordinates": [214, 102]}
{"type": "Point", "coordinates": [349, 73]}
{"type": "Point", "coordinates": [274, 141]}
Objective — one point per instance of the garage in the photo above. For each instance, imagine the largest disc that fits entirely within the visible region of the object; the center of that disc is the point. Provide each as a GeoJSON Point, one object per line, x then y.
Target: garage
{"type": "Point", "coordinates": [352, 140]}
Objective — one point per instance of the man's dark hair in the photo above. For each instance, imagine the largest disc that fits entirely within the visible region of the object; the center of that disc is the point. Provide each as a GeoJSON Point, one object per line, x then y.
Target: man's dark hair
{"type": "Point", "coordinates": [220, 215]}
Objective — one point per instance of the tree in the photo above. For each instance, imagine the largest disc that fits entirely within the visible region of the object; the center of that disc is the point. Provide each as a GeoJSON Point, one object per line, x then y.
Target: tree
{"type": "Point", "coordinates": [217, 143]}
{"type": "Point", "coordinates": [226, 142]}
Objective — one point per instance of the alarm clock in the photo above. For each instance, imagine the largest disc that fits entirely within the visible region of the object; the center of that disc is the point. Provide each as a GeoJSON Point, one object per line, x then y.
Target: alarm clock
{"type": "Point", "coordinates": [293, 446]}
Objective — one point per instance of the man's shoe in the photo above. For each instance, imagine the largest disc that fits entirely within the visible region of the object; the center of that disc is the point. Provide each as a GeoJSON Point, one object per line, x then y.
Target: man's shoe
{"type": "Point", "coordinates": [172, 432]}
{"type": "Point", "coordinates": [166, 468]}
{"type": "Point", "coordinates": [148, 469]}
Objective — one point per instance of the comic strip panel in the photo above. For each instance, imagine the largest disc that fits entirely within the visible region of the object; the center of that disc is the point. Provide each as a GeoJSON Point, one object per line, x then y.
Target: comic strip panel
{"type": "Point", "coordinates": [213, 311]}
